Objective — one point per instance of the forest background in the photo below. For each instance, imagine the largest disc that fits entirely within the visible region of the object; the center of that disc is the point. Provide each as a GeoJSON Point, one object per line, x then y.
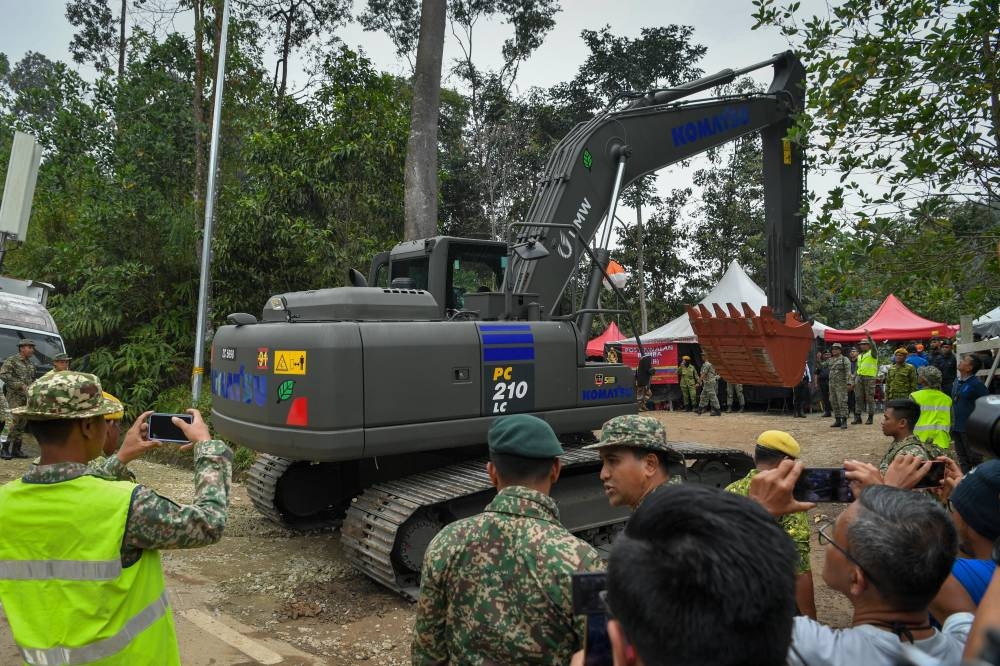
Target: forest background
{"type": "Point", "coordinates": [904, 103]}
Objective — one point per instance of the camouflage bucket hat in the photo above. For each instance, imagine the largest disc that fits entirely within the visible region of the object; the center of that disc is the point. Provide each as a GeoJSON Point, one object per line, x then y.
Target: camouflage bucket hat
{"type": "Point", "coordinates": [62, 357]}
{"type": "Point", "coordinates": [641, 432]}
{"type": "Point", "coordinates": [66, 395]}
{"type": "Point", "coordinates": [931, 375]}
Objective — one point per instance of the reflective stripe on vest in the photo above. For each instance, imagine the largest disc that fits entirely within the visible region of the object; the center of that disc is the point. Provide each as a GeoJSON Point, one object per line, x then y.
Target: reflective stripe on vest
{"type": "Point", "coordinates": [60, 570]}
{"type": "Point", "coordinates": [867, 365]}
{"type": "Point", "coordinates": [63, 656]}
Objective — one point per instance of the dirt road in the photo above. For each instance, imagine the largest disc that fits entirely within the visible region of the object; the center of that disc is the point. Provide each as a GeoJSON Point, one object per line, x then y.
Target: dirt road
{"type": "Point", "coordinates": [263, 595]}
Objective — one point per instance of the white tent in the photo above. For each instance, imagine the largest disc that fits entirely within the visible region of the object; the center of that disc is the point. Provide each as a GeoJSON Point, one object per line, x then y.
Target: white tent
{"type": "Point", "coordinates": [989, 324]}
{"type": "Point", "coordinates": [735, 287]}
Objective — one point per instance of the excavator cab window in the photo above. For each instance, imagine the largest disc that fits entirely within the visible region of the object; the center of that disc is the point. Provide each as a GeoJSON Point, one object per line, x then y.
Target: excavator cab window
{"type": "Point", "coordinates": [473, 268]}
{"type": "Point", "coordinates": [415, 269]}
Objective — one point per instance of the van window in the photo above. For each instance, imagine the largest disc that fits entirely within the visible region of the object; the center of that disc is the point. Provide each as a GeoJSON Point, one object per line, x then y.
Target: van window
{"type": "Point", "coordinates": [46, 346]}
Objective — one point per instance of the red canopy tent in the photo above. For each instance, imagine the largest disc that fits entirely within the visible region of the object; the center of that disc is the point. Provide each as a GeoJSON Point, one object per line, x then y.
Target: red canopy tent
{"type": "Point", "coordinates": [596, 346]}
{"type": "Point", "coordinates": [892, 321]}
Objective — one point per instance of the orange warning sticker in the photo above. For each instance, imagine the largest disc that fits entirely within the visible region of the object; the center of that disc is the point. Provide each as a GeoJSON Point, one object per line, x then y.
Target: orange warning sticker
{"type": "Point", "coordinates": [289, 362]}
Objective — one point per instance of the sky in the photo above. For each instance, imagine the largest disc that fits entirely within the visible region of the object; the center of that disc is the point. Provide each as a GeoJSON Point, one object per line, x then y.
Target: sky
{"type": "Point", "coordinates": [723, 26]}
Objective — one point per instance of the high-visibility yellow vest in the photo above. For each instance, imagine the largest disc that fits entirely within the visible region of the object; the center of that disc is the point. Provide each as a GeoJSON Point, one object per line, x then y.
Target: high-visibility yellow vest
{"type": "Point", "coordinates": [67, 597]}
{"type": "Point", "coordinates": [867, 364]}
{"type": "Point", "coordinates": [934, 424]}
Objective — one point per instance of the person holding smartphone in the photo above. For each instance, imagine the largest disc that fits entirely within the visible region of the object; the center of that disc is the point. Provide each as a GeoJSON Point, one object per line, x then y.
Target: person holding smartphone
{"type": "Point", "coordinates": [80, 574]}
{"type": "Point", "coordinates": [773, 446]}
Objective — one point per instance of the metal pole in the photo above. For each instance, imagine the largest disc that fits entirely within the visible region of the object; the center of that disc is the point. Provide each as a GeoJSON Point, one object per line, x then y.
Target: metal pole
{"type": "Point", "coordinates": [198, 371]}
{"type": "Point", "coordinates": [606, 236]}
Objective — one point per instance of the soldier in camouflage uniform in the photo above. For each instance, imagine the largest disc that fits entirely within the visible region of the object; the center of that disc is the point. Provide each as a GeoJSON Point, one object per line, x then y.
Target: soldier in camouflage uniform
{"type": "Point", "coordinates": [734, 394]}
{"type": "Point", "coordinates": [840, 376]}
{"type": "Point", "coordinates": [901, 380]}
{"type": "Point", "coordinates": [152, 522]}
{"type": "Point", "coordinates": [17, 373]}
{"type": "Point", "coordinates": [496, 587]}
{"type": "Point", "coordinates": [709, 389]}
{"type": "Point", "coordinates": [637, 459]}
{"type": "Point", "coordinates": [898, 421]}
{"type": "Point", "coordinates": [688, 380]}
{"type": "Point", "coordinates": [60, 363]}
{"type": "Point", "coordinates": [773, 446]}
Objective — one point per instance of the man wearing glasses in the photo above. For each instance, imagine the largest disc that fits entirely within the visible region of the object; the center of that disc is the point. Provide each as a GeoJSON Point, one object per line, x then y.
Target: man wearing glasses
{"type": "Point", "coordinates": [888, 553]}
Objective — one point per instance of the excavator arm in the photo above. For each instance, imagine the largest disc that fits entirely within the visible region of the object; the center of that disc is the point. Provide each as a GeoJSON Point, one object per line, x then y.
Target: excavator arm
{"type": "Point", "coordinates": [599, 158]}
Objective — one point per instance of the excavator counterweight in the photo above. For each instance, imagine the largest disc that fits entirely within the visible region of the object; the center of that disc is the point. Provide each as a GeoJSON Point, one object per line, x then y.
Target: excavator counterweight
{"type": "Point", "coordinates": [747, 348]}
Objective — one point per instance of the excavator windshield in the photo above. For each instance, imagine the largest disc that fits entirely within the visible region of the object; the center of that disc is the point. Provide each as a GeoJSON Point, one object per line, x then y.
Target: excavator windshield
{"type": "Point", "coordinates": [473, 268]}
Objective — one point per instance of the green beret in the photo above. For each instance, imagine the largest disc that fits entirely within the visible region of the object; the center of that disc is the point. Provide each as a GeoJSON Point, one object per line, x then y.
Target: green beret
{"type": "Point", "coordinates": [524, 435]}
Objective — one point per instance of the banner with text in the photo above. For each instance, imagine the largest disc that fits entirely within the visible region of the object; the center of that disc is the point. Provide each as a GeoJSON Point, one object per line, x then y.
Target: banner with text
{"type": "Point", "coordinates": [664, 358]}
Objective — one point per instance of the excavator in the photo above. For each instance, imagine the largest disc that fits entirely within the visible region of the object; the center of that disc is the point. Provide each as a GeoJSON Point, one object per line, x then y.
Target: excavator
{"type": "Point", "coordinates": [369, 404]}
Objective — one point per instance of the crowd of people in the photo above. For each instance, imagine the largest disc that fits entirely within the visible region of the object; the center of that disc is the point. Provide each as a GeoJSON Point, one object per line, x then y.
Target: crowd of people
{"type": "Point", "coordinates": [699, 575]}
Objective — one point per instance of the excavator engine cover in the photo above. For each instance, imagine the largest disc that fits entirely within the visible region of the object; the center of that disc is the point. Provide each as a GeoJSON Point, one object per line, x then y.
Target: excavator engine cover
{"type": "Point", "coordinates": [747, 348]}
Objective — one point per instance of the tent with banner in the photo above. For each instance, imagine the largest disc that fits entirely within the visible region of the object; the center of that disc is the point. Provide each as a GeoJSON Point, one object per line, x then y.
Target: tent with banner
{"type": "Point", "coordinates": [988, 325]}
{"type": "Point", "coordinates": [595, 348]}
{"type": "Point", "coordinates": [892, 321]}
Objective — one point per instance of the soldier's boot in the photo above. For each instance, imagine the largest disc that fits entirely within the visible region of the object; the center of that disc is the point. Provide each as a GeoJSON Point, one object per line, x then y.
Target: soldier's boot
{"type": "Point", "coordinates": [5, 451]}
{"type": "Point", "coordinates": [16, 451]}
{"type": "Point", "coordinates": [836, 422]}
{"type": "Point", "coordinates": [827, 414]}
{"type": "Point", "coordinates": [741, 407]}
{"type": "Point", "coordinates": [857, 418]}
{"type": "Point", "coordinates": [870, 417]}
{"type": "Point", "coordinates": [690, 408]}
{"type": "Point", "coordinates": [698, 411]}
{"type": "Point", "coordinates": [716, 412]}
{"type": "Point", "coordinates": [843, 423]}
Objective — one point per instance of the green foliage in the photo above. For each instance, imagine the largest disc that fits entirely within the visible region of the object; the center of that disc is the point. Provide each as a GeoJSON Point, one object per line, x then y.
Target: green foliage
{"type": "Point", "coordinates": [906, 93]}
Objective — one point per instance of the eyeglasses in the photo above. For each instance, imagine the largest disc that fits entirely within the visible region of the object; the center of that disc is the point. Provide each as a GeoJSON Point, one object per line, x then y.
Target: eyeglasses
{"type": "Point", "coordinates": [824, 538]}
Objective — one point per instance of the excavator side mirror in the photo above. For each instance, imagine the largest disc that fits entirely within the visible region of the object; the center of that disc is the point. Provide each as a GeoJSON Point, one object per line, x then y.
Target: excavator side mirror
{"type": "Point", "coordinates": [356, 278]}
{"type": "Point", "coordinates": [644, 372]}
{"type": "Point", "coordinates": [241, 319]}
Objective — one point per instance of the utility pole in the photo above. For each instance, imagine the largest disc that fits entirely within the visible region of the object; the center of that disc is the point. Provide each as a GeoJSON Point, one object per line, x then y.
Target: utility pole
{"type": "Point", "coordinates": [198, 371]}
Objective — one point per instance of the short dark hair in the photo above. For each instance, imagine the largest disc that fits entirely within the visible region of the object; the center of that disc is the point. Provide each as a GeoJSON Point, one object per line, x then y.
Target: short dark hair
{"type": "Point", "coordinates": [695, 564]}
{"type": "Point", "coordinates": [53, 431]}
{"type": "Point", "coordinates": [668, 461]}
{"type": "Point", "coordinates": [912, 348]}
{"type": "Point", "coordinates": [904, 408]}
{"type": "Point", "coordinates": [977, 363]}
{"type": "Point", "coordinates": [513, 469]}
{"type": "Point", "coordinates": [906, 541]}
{"type": "Point", "coordinates": [762, 454]}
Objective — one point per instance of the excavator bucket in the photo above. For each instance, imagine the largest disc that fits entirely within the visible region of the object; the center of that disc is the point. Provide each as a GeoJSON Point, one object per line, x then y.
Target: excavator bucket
{"type": "Point", "coordinates": [747, 348]}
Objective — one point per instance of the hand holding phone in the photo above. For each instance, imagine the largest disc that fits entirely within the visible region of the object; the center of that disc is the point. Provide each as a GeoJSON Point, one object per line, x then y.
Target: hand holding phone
{"type": "Point", "coordinates": [163, 429]}
{"type": "Point", "coordinates": [823, 484]}
{"type": "Point", "coordinates": [587, 589]}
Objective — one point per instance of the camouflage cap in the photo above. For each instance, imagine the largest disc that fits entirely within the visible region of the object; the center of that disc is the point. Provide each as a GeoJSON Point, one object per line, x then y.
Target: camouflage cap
{"type": "Point", "coordinates": [633, 430]}
{"type": "Point", "coordinates": [66, 395]}
{"type": "Point", "coordinates": [26, 343]}
{"type": "Point", "coordinates": [524, 435]}
{"type": "Point", "coordinates": [930, 375]}
{"type": "Point", "coordinates": [836, 345]}
{"type": "Point", "coordinates": [62, 357]}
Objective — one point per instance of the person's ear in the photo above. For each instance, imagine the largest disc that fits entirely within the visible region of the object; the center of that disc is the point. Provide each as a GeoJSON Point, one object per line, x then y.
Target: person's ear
{"type": "Point", "coordinates": [650, 463]}
{"type": "Point", "coordinates": [622, 653]}
{"type": "Point", "coordinates": [554, 472]}
{"type": "Point", "coordinates": [492, 471]}
{"type": "Point", "coordinates": [859, 582]}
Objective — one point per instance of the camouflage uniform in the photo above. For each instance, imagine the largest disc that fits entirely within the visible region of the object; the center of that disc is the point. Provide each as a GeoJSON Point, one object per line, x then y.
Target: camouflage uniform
{"type": "Point", "coordinates": [734, 392]}
{"type": "Point", "coordinates": [912, 446]}
{"type": "Point", "coordinates": [688, 379]}
{"type": "Point", "coordinates": [900, 382]}
{"type": "Point", "coordinates": [496, 588]}
{"type": "Point", "coordinates": [840, 377]}
{"type": "Point", "coordinates": [709, 387]}
{"type": "Point", "coordinates": [796, 525]}
{"type": "Point", "coordinates": [17, 374]}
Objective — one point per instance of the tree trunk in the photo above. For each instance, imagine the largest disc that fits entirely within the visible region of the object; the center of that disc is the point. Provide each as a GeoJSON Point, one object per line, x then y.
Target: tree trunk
{"type": "Point", "coordinates": [640, 269]}
{"type": "Point", "coordinates": [121, 40]}
{"type": "Point", "coordinates": [198, 108]}
{"type": "Point", "coordinates": [421, 181]}
{"type": "Point", "coordinates": [286, 47]}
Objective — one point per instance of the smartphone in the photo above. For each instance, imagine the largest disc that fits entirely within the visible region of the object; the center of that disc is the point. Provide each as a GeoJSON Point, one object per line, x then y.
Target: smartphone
{"type": "Point", "coordinates": [823, 484]}
{"type": "Point", "coordinates": [161, 428]}
{"type": "Point", "coordinates": [587, 588]}
{"type": "Point", "coordinates": [934, 476]}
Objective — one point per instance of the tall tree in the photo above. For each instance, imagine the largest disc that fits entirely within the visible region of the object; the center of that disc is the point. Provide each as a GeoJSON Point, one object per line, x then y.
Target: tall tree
{"type": "Point", "coordinates": [905, 93]}
{"type": "Point", "coordinates": [421, 181]}
{"type": "Point", "coordinates": [293, 23]}
{"type": "Point", "coordinates": [100, 35]}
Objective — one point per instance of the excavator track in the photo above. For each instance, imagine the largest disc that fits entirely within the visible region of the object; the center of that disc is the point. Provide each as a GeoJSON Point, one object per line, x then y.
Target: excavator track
{"type": "Point", "coordinates": [265, 487]}
{"type": "Point", "coordinates": [262, 485]}
{"type": "Point", "coordinates": [389, 526]}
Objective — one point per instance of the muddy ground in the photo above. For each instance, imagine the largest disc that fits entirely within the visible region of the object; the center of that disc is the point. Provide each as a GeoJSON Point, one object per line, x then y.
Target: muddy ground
{"type": "Point", "coordinates": [264, 595]}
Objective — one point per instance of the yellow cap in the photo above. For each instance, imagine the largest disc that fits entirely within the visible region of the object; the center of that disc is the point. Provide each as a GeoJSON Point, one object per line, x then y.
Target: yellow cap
{"type": "Point", "coordinates": [901, 350]}
{"type": "Point", "coordinates": [685, 358]}
{"type": "Point", "coordinates": [114, 416]}
{"type": "Point", "coordinates": [779, 441]}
